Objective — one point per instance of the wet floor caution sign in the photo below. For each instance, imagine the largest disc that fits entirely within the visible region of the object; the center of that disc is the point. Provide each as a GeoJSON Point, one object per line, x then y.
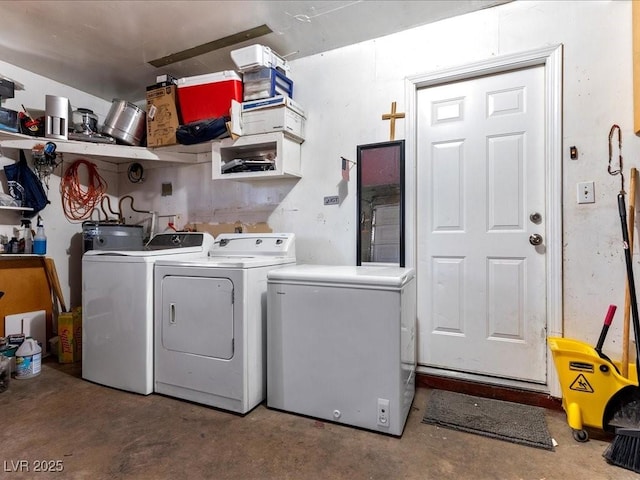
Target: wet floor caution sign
{"type": "Point", "coordinates": [581, 384]}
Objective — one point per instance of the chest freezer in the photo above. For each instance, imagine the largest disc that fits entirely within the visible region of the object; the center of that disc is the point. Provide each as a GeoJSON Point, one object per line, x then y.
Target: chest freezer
{"type": "Point", "coordinates": [341, 344]}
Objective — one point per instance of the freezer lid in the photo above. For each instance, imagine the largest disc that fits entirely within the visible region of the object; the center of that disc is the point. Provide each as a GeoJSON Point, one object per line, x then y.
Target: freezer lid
{"type": "Point", "coordinates": [373, 275]}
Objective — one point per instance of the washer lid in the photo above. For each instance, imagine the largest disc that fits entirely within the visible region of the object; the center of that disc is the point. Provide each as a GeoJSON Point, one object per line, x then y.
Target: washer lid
{"type": "Point", "coordinates": [140, 255]}
{"type": "Point", "coordinates": [375, 275]}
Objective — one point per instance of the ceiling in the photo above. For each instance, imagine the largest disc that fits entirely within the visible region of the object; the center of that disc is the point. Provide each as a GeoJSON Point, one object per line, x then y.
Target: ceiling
{"type": "Point", "coordinates": [103, 47]}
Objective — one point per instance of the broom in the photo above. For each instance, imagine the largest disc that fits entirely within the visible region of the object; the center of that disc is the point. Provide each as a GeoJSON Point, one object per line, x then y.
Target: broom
{"type": "Point", "coordinates": [624, 370]}
{"type": "Point", "coordinates": [624, 450]}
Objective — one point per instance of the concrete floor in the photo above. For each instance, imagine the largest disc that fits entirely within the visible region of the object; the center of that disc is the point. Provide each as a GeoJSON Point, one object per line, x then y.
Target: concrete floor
{"type": "Point", "coordinates": [97, 432]}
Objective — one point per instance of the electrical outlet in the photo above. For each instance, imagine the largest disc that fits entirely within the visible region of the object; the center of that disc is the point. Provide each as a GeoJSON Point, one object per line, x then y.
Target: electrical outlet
{"type": "Point", "coordinates": [383, 412]}
{"type": "Point", "coordinates": [586, 192]}
{"type": "Point", "coordinates": [178, 221]}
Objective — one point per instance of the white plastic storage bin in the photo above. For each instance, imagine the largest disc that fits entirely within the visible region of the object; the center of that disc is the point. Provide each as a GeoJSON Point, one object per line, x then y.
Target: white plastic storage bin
{"type": "Point", "coordinates": [256, 56]}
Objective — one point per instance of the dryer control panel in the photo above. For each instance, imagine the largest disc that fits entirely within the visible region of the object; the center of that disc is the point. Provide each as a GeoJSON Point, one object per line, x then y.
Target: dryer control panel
{"type": "Point", "coordinates": [163, 241]}
{"type": "Point", "coordinates": [251, 245]}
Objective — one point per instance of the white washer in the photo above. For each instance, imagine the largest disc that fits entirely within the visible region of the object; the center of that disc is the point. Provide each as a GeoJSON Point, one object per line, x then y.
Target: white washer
{"type": "Point", "coordinates": [210, 321]}
{"type": "Point", "coordinates": [117, 309]}
{"type": "Point", "coordinates": [341, 344]}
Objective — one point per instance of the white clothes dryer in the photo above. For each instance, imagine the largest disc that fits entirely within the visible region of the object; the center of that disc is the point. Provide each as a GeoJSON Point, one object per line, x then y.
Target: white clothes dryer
{"type": "Point", "coordinates": [210, 339]}
{"type": "Point", "coordinates": [117, 309]}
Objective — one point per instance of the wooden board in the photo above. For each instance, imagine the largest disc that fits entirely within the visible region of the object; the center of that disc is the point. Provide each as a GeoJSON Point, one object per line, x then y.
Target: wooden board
{"type": "Point", "coordinates": [25, 284]}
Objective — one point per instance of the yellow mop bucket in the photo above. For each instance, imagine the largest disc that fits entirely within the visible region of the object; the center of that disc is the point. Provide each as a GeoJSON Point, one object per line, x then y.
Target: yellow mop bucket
{"type": "Point", "coordinates": [590, 385]}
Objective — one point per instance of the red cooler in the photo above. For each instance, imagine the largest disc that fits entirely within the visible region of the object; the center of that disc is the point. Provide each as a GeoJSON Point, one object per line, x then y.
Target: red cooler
{"type": "Point", "coordinates": [208, 95]}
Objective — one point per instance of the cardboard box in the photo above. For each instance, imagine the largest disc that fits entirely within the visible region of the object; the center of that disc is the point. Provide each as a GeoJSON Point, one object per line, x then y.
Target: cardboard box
{"type": "Point", "coordinates": [70, 336]}
{"type": "Point", "coordinates": [275, 119]}
{"type": "Point", "coordinates": [162, 115]}
{"type": "Point", "coordinates": [276, 101]}
{"type": "Point", "coordinates": [208, 96]}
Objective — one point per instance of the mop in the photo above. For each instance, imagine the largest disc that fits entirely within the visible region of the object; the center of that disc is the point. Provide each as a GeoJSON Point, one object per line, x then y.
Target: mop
{"type": "Point", "coordinates": [624, 450]}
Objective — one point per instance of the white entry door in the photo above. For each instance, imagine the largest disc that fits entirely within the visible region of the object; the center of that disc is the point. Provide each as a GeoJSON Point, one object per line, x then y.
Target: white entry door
{"type": "Point", "coordinates": [480, 211]}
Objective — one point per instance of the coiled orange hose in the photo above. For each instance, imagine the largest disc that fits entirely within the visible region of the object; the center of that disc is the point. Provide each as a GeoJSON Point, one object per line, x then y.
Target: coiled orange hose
{"type": "Point", "coordinates": [77, 202]}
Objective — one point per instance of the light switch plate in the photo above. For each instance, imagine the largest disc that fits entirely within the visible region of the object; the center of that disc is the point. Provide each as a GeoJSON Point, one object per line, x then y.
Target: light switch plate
{"type": "Point", "coordinates": [586, 192]}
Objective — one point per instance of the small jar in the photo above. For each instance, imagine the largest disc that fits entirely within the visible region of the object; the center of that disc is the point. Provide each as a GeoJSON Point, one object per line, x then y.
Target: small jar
{"type": "Point", "coordinates": [84, 121]}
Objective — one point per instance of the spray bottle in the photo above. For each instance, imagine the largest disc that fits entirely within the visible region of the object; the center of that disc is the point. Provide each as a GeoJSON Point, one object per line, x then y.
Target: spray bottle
{"type": "Point", "coordinates": [40, 240]}
{"type": "Point", "coordinates": [27, 236]}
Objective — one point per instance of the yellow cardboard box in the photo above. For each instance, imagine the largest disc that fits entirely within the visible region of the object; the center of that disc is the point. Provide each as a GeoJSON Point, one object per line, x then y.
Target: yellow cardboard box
{"type": "Point", "coordinates": [70, 336]}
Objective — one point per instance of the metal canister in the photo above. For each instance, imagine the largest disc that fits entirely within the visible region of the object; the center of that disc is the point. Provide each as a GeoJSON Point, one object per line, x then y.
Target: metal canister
{"type": "Point", "coordinates": [126, 122]}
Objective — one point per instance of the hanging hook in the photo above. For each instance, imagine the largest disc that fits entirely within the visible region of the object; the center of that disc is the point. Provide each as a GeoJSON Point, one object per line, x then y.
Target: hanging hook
{"type": "Point", "coordinates": [619, 170]}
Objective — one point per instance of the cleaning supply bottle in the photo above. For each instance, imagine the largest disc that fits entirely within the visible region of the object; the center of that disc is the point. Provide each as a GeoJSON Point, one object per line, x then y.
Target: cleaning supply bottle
{"type": "Point", "coordinates": [27, 236]}
{"type": "Point", "coordinates": [13, 245]}
{"type": "Point", "coordinates": [28, 359]}
{"type": "Point", "coordinates": [40, 241]}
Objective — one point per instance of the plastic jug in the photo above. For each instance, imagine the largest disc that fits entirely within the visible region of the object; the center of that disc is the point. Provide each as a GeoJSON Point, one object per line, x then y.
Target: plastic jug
{"type": "Point", "coordinates": [40, 241]}
{"type": "Point", "coordinates": [28, 359]}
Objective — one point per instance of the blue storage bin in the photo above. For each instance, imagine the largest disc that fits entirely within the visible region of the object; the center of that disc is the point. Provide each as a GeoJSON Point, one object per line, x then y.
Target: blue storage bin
{"type": "Point", "coordinates": [8, 120]}
{"type": "Point", "coordinates": [266, 82]}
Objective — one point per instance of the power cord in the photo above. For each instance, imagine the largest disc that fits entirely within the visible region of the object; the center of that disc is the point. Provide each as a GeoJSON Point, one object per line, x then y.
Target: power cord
{"type": "Point", "coordinates": [78, 203]}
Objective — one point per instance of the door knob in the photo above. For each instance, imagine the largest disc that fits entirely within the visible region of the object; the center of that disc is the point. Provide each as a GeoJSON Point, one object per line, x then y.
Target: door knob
{"type": "Point", "coordinates": [535, 239]}
{"type": "Point", "coordinates": [535, 218]}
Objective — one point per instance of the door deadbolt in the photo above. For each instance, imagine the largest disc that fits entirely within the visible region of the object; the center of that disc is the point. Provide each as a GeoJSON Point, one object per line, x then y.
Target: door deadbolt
{"type": "Point", "coordinates": [535, 217]}
{"type": "Point", "coordinates": [535, 239]}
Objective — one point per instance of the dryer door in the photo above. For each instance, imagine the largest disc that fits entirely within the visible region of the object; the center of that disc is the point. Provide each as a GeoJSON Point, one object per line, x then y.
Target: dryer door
{"type": "Point", "coordinates": [197, 316]}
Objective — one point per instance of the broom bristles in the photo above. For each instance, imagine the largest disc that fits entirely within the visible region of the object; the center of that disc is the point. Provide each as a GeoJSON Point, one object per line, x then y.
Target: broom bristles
{"type": "Point", "coordinates": [624, 450]}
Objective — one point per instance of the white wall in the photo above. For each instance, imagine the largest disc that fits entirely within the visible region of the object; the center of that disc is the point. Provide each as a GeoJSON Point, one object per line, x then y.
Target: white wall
{"type": "Point", "coordinates": [345, 92]}
{"type": "Point", "coordinates": [63, 236]}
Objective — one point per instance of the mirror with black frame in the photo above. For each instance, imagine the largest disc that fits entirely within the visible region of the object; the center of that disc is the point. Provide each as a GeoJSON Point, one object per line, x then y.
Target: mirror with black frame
{"type": "Point", "coordinates": [380, 169]}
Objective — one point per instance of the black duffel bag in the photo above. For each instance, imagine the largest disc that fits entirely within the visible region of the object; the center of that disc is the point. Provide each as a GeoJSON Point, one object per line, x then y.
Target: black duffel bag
{"type": "Point", "coordinates": [202, 130]}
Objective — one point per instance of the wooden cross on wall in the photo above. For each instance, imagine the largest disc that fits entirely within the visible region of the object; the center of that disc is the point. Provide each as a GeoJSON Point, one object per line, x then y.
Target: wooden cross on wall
{"type": "Point", "coordinates": [392, 116]}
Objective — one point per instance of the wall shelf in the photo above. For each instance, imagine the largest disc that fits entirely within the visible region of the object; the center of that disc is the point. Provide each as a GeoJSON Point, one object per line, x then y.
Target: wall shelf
{"type": "Point", "coordinates": [17, 209]}
{"type": "Point", "coordinates": [278, 147]}
{"type": "Point", "coordinates": [109, 153]}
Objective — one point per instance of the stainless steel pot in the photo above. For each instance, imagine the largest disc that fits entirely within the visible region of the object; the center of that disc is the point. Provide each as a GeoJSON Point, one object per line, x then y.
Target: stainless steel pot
{"type": "Point", "coordinates": [126, 123]}
{"type": "Point", "coordinates": [111, 236]}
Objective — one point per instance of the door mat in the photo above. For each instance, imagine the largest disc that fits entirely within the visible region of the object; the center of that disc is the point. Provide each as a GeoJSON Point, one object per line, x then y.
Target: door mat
{"type": "Point", "coordinates": [512, 422]}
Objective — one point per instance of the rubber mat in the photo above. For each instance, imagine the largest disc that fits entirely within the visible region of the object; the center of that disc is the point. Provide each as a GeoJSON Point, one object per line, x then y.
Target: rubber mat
{"type": "Point", "coordinates": [512, 422]}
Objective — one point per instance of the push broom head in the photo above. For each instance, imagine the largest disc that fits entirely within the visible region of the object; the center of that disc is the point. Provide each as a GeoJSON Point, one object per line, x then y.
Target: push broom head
{"type": "Point", "coordinates": [624, 450]}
